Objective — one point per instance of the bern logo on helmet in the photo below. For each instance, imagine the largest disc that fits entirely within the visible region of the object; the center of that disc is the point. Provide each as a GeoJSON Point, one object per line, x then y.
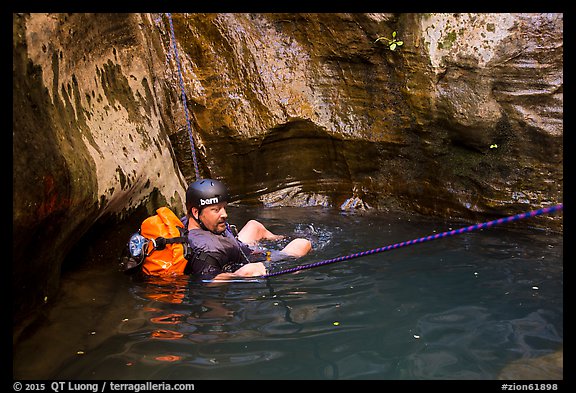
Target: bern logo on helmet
{"type": "Point", "coordinates": [208, 201]}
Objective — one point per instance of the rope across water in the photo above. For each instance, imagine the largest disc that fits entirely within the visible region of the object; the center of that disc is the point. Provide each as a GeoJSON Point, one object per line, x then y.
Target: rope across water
{"type": "Point", "coordinates": [488, 224]}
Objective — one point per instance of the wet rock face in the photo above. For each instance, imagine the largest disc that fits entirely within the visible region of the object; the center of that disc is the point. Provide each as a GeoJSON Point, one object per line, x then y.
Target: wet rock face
{"type": "Point", "coordinates": [463, 119]}
{"type": "Point", "coordinates": [89, 141]}
{"type": "Point", "coordinates": [497, 105]}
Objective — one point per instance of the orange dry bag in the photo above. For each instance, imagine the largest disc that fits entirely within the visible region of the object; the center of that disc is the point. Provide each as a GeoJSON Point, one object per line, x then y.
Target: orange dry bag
{"type": "Point", "coordinates": [161, 244]}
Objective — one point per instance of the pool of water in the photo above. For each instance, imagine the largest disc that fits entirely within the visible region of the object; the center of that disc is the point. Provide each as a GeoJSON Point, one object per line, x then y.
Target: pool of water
{"type": "Point", "coordinates": [480, 305]}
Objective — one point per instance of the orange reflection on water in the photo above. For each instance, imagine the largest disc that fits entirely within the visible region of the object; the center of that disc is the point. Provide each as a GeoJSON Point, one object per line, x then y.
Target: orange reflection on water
{"type": "Point", "coordinates": [168, 289]}
{"type": "Point", "coordinates": [168, 358]}
{"type": "Point", "coordinates": [168, 319]}
{"type": "Point", "coordinates": [166, 297]}
{"type": "Point", "coordinates": [166, 334]}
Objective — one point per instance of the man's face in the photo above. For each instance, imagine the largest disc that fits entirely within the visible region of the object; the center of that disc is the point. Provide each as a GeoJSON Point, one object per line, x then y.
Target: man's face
{"type": "Point", "coordinates": [214, 217]}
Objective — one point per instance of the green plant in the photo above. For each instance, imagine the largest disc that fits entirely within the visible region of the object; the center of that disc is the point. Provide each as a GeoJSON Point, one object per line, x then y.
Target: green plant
{"type": "Point", "coordinates": [392, 43]}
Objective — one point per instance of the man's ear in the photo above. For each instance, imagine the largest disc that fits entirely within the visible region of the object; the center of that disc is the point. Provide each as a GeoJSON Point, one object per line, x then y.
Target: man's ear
{"type": "Point", "coordinates": [195, 213]}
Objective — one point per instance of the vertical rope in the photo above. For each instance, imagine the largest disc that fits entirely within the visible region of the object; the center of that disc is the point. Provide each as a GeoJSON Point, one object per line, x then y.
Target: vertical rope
{"type": "Point", "coordinates": [173, 37]}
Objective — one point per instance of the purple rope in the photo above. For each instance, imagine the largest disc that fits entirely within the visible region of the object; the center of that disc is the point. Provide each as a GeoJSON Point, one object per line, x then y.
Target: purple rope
{"type": "Point", "coordinates": [183, 96]}
{"type": "Point", "coordinates": [470, 228]}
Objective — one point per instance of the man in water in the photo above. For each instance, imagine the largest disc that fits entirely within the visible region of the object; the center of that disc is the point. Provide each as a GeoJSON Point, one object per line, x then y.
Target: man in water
{"type": "Point", "coordinates": [216, 252]}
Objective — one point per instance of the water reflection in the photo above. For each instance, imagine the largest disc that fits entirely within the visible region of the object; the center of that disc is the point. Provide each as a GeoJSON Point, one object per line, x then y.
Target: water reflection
{"type": "Point", "coordinates": [482, 305]}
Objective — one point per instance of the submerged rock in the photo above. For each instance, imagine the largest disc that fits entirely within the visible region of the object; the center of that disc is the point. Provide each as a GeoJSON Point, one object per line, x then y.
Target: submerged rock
{"type": "Point", "coordinates": [547, 367]}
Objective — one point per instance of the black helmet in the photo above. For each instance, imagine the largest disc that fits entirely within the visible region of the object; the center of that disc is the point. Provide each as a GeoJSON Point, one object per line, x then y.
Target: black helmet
{"type": "Point", "coordinates": [205, 192]}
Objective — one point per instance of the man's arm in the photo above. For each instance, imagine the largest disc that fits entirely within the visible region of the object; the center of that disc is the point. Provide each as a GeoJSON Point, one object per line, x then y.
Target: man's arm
{"type": "Point", "coordinates": [249, 270]}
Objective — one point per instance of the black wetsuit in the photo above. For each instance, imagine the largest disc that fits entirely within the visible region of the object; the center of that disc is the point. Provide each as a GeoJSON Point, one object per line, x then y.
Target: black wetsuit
{"type": "Point", "coordinates": [213, 254]}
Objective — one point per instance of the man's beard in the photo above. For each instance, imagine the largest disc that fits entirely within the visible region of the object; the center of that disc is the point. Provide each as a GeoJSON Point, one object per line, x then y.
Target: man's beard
{"type": "Point", "coordinates": [218, 225]}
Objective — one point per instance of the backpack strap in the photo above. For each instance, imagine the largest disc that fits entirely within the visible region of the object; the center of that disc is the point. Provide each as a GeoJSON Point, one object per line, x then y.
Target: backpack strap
{"type": "Point", "coordinates": [161, 242]}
